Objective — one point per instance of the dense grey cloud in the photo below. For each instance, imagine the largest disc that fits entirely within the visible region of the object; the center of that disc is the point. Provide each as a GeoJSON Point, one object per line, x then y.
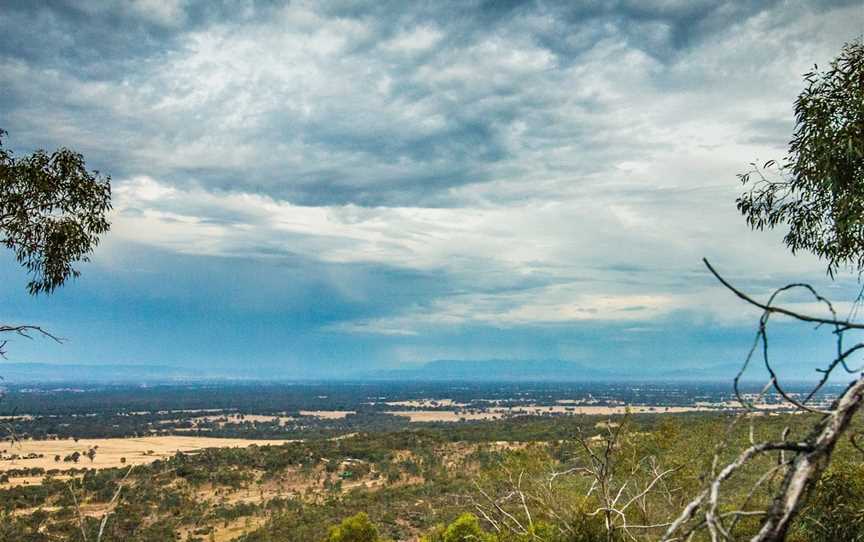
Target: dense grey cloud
{"type": "Point", "coordinates": [505, 165]}
{"type": "Point", "coordinates": [371, 103]}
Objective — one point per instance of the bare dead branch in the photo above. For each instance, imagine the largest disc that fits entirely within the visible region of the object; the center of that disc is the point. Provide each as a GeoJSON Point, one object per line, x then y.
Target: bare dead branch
{"type": "Point", "coordinates": [26, 331]}
{"type": "Point", "coordinates": [844, 324]}
{"type": "Point", "coordinates": [78, 513]}
{"type": "Point", "coordinates": [808, 458]}
{"type": "Point", "coordinates": [112, 504]}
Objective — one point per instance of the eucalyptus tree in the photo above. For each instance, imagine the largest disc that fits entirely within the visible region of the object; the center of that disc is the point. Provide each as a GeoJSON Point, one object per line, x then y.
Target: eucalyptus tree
{"type": "Point", "coordinates": [817, 191]}
{"type": "Point", "coordinates": [53, 212]}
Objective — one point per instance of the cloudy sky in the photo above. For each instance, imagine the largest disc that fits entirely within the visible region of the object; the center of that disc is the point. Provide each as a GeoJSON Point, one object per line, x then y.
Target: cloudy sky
{"type": "Point", "coordinates": [306, 189]}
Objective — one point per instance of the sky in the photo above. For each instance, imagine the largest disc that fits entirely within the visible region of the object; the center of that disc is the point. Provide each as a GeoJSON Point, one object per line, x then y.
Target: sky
{"type": "Point", "coordinates": [311, 189]}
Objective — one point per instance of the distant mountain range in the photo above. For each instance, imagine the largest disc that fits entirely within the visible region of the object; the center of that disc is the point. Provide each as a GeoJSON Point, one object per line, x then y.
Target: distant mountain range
{"type": "Point", "coordinates": [490, 370]}
{"type": "Point", "coordinates": [544, 371]}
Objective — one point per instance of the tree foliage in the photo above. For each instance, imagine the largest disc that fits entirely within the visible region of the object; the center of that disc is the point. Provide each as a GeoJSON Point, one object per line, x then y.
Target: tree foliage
{"type": "Point", "coordinates": [466, 528]}
{"type": "Point", "coordinates": [52, 213]}
{"type": "Point", "coordinates": [356, 528]}
{"type": "Point", "coordinates": [819, 190]}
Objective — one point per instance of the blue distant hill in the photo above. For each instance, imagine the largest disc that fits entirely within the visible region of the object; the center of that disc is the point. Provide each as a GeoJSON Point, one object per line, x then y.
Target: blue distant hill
{"type": "Point", "coordinates": [489, 370]}
{"type": "Point", "coordinates": [543, 371]}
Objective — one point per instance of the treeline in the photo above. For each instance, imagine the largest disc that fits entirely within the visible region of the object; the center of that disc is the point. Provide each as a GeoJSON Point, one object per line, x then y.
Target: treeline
{"type": "Point", "coordinates": [279, 398]}
{"type": "Point", "coordinates": [228, 425]}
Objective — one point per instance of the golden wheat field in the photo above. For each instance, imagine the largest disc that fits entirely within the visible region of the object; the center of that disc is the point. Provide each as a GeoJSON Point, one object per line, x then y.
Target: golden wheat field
{"type": "Point", "coordinates": [110, 452]}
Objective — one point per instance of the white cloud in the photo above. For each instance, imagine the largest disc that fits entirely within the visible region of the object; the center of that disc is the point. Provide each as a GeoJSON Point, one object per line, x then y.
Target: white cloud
{"type": "Point", "coordinates": [538, 154]}
{"type": "Point", "coordinates": [608, 259]}
{"type": "Point", "coordinates": [421, 38]}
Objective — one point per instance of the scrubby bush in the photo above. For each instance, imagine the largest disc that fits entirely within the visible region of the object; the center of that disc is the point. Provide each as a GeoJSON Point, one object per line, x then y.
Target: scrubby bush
{"type": "Point", "coordinates": [356, 528]}
{"type": "Point", "coordinates": [835, 511]}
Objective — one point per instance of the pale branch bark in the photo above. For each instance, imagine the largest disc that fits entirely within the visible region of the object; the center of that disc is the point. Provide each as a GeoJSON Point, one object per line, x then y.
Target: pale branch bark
{"type": "Point", "coordinates": [808, 458]}
{"type": "Point", "coordinates": [112, 505]}
{"type": "Point", "coordinates": [78, 513]}
{"type": "Point", "coordinates": [807, 467]}
{"type": "Point", "coordinates": [768, 476]}
{"type": "Point", "coordinates": [516, 503]}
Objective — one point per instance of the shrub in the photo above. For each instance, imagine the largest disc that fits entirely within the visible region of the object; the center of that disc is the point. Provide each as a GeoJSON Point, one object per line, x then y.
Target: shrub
{"type": "Point", "coordinates": [835, 510]}
{"type": "Point", "coordinates": [356, 528]}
